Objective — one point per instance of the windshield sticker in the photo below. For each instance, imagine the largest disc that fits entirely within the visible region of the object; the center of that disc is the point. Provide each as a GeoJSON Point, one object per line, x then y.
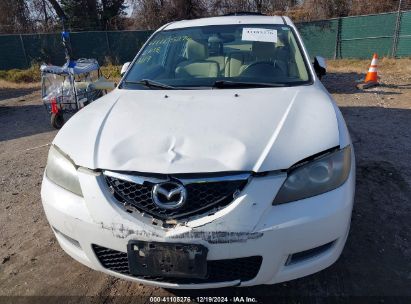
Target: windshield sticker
{"type": "Point", "coordinates": [259, 34]}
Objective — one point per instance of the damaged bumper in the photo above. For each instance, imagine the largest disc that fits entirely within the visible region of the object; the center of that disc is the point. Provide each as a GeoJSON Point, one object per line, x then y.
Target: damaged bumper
{"type": "Point", "coordinates": [249, 242]}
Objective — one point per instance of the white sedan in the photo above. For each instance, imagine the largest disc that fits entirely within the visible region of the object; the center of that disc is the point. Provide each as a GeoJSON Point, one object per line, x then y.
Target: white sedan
{"type": "Point", "coordinates": [219, 160]}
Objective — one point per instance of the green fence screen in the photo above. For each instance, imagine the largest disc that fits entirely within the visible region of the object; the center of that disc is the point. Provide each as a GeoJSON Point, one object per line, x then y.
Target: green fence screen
{"type": "Point", "coordinates": [20, 51]}
{"type": "Point", "coordinates": [362, 36]}
{"type": "Point", "coordinates": [387, 34]}
{"type": "Point", "coordinates": [404, 39]}
{"type": "Point", "coordinates": [11, 52]}
{"type": "Point", "coordinates": [320, 37]}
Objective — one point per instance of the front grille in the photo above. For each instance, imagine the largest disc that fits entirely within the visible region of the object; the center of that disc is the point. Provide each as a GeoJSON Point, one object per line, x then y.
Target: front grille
{"type": "Point", "coordinates": [202, 195]}
{"type": "Point", "coordinates": [243, 269]}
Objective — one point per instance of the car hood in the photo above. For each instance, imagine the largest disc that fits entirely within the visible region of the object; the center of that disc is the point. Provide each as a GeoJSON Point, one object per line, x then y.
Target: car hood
{"type": "Point", "coordinates": [192, 131]}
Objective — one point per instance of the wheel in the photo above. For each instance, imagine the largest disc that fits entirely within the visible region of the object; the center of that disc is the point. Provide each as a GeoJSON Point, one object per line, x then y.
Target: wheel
{"type": "Point", "coordinates": [57, 120]}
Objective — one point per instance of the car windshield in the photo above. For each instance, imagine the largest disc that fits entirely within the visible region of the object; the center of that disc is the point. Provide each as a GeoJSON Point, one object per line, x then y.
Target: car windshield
{"type": "Point", "coordinates": [221, 56]}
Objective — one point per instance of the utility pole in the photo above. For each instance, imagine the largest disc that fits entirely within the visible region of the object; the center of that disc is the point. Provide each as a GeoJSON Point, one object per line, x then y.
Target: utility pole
{"type": "Point", "coordinates": [64, 35]}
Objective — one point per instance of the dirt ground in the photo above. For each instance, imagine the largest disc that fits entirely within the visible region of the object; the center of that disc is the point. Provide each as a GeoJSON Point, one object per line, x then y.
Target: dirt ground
{"type": "Point", "coordinates": [376, 261]}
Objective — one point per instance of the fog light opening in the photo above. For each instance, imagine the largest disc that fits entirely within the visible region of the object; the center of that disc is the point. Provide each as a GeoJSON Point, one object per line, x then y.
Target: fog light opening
{"type": "Point", "coordinates": [67, 238]}
{"type": "Point", "coordinates": [308, 254]}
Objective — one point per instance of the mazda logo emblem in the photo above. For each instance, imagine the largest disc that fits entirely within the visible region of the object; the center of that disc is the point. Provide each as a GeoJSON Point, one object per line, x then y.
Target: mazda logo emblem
{"type": "Point", "coordinates": [169, 195]}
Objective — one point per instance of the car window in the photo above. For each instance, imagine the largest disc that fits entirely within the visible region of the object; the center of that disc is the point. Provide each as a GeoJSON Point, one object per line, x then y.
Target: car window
{"type": "Point", "coordinates": [198, 57]}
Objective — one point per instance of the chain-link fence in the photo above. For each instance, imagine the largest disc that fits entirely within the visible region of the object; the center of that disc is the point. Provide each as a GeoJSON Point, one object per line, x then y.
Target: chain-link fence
{"type": "Point", "coordinates": [20, 51]}
{"type": "Point", "coordinates": [351, 37]}
{"type": "Point", "coordinates": [388, 34]}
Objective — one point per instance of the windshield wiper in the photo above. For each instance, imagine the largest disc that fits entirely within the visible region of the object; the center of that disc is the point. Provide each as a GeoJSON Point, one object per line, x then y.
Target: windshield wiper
{"type": "Point", "coordinates": [152, 84]}
{"type": "Point", "coordinates": [221, 84]}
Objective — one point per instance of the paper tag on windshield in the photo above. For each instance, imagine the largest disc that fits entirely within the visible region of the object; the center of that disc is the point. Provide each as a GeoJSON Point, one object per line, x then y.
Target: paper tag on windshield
{"type": "Point", "coordinates": [259, 34]}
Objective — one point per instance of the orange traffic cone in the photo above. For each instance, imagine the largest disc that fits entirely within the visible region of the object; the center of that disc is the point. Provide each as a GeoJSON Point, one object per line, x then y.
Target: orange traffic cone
{"type": "Point", "coordinates": [371, 80]}
{"type": "Point", "coordinates": [372, 75]}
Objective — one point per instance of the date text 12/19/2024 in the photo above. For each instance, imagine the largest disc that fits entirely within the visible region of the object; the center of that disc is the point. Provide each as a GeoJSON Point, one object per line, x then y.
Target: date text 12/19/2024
{"type": "Point", "coordinates": [236, 299]}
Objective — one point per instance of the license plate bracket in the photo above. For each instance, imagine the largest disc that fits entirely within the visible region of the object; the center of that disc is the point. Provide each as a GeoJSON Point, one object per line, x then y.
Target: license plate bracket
{"type": "Point", "coordinates": [177, 260]}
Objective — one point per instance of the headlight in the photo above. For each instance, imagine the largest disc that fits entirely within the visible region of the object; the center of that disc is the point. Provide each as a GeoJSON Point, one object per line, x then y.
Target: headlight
{"type": "Point", "coordinates": [318, 176]}
{"type": "Point", "coordinates": [62, 171]}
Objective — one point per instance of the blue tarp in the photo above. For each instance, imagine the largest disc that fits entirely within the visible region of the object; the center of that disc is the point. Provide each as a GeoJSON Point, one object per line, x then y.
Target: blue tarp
{"type": "Point", "coordinates": [73, 67]}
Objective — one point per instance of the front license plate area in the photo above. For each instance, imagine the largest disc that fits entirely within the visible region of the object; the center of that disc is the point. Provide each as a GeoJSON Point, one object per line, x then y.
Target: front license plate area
{"type": "Point", "coordinates": [167, 259]}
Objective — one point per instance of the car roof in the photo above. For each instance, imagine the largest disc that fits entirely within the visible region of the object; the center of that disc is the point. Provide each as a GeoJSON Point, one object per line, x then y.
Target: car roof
{"type": "Point", "coordinates": [225, 20]}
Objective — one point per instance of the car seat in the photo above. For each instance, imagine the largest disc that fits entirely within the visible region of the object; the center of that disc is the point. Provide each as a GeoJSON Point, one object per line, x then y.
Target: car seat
{"type": "Point", "coordinates": [266, 62]}
{"type": "Point", "coordinates": [196, 64]}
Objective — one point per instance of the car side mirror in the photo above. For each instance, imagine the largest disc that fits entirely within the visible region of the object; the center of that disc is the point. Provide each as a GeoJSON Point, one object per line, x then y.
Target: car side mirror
{"type": "Point", "coordinates": [320, 66]}
{"type": "Point", "coordinates": [124, 68]}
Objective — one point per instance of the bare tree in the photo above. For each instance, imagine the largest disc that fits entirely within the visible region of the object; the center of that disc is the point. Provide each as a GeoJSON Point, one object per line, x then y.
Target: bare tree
{"type": "Point", "coordinates": [42, 15]}
{"type": "Point", "coordinates": [111, 13]}
{"type": "Point", "coordinates": [15, 17]}
{"type": "Point", "coordinates": [45, 15]}
{"type": "Point", "coordinates": [323, 9]}
{"type": "Point", "coordinates": [233, 6]}
{"type": "Point", "coordinates": [57, 8]}
{"type": "Point", "coordinates": [363, 7]}
{"type": "Point", "coordinates": [151, 14]}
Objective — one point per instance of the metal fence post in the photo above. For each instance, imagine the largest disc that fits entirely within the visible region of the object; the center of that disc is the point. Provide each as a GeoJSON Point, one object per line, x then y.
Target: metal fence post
{"type": "Point", "coordinates": [108, 47]}
{"type": "Point", "coordinates": [397, 29]}
{"type": "Point", "coordinates": [337, 51]}
{"type": "Point", "coordinates": [24, 51]}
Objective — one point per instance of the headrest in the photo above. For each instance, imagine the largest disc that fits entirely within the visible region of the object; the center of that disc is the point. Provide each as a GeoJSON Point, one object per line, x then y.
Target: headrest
{"type": "Point", "coordinates": [263, 50]}
{"type": "Point", "coordinates": [195, 50]}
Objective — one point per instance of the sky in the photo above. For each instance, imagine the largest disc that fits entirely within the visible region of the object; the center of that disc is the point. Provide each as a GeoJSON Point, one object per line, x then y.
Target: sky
{"type": "Point", "coordinates": [129, 8]}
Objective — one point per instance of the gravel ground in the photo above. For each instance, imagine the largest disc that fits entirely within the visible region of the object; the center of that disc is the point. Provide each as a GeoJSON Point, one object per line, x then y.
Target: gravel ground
{"type": "Point", "coordinates": [376, 260]}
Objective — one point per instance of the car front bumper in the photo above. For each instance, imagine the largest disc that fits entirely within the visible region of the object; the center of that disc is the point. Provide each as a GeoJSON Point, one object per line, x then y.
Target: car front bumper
{"type": "Point", "coordinates": [283, 235]}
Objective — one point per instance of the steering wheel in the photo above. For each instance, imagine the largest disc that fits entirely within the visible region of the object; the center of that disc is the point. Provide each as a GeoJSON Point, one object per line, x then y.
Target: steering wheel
{"type": "Point", "coordinates": [266, 68]}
